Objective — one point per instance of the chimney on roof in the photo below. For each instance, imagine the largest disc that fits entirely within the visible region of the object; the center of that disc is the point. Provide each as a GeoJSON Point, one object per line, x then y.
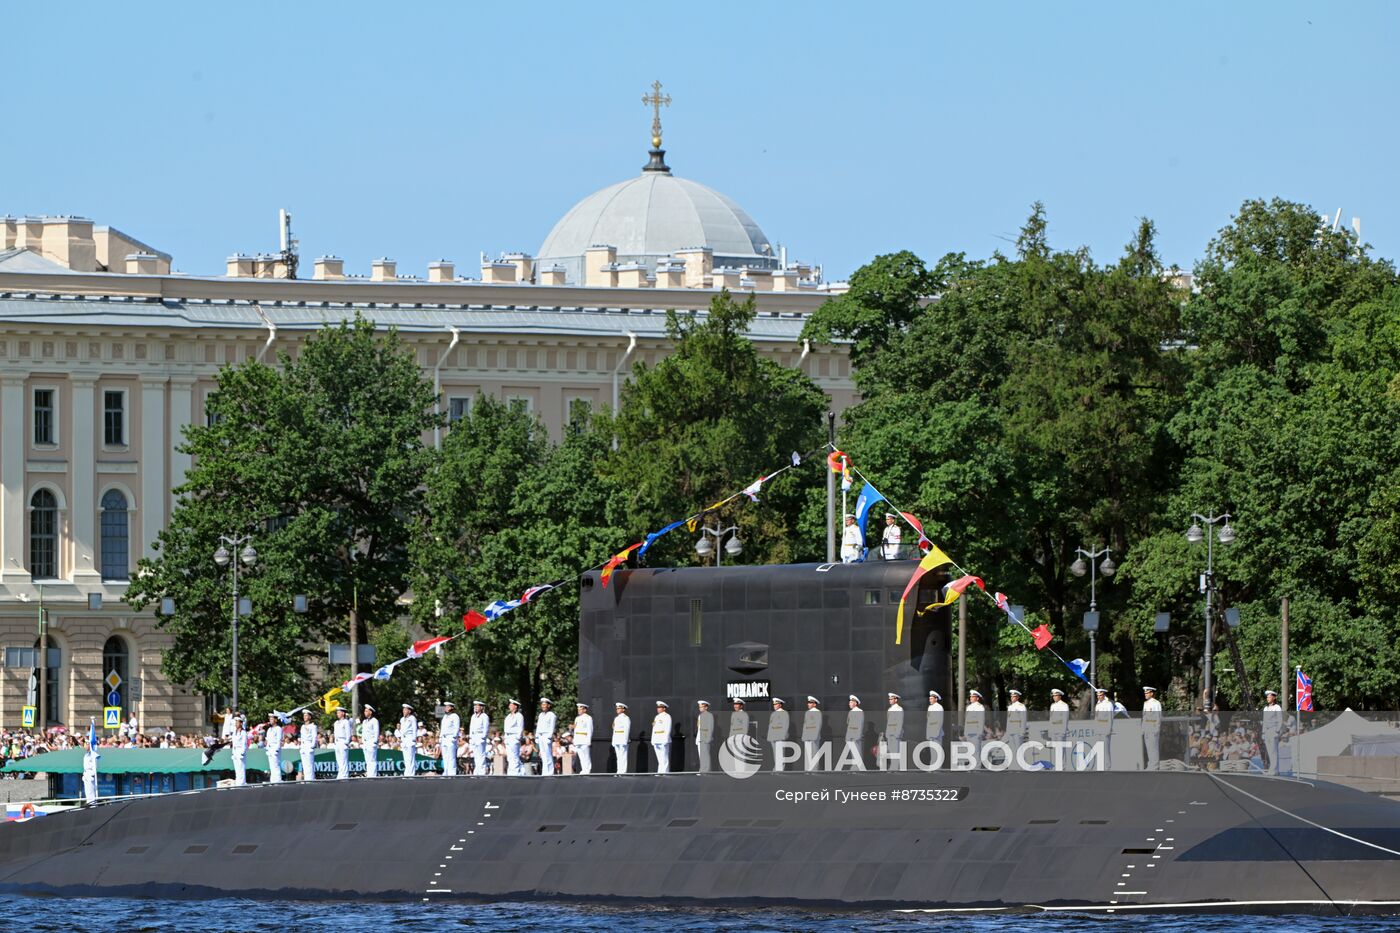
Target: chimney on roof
{"type": "Point", "coordinates": [633, 275]}
{"type": "Point", "coordinates": [785, 280]}
{"type": "Point", "coordinates": [498, 272]}
{"type": "Point", "coordinates": [699, 263]}
{"type": "Point", "coordinates": [670, 273]}
{"type": "Point", "coordinates": [68, 240]}
{"type": "Point", "coordinates": [600, 266]}
{"type": "Point", "coordinates": [240, 266]}
{"type": "Point", "coordinates": [552, 275]}
{"type": "Point", "coordinates": [441, 271]}
{"type": "Point", "coordinates": [524, 266]}
{"type": "Point", "coordinates": [143, 264]}
{"type": "Point", "coordinates": [8, 232]}
{"type": "Point", "coordinates": [29, 233]}
{"type": "Point", "coordinates": [383, 270]}
{"type": "Point", "coordinates": [760, 280]}
{"type": "Point", "coordinates": [328, 268]}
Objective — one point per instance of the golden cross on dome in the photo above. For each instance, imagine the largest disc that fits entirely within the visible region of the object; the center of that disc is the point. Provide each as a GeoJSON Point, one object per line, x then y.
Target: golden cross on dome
{"type": "Point", "coordinates": [656, 100]}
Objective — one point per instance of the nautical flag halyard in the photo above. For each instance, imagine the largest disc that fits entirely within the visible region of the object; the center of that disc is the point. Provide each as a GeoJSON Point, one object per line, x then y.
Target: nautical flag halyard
{"type": "Point", "coordinates": [1305, 696]}
{"type": "Point", "coordinates": [934, 558]}
{"type": "Point", "coordinates": [421, 648]}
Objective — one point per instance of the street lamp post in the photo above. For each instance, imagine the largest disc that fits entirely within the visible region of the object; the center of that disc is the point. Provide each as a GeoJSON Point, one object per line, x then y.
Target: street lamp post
{"type": "Point", "coordinates": [1085, 563]}
{"type": "Point", "coordinates": [224, 558]}
{"type": "Point", "coordinates": [733, 547]}
{"type": "Point", "coordinates": [1194, 534]}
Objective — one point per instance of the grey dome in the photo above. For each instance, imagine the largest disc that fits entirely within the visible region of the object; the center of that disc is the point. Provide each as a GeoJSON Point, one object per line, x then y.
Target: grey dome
{"type": "Point", "coordinates": [652, 216]}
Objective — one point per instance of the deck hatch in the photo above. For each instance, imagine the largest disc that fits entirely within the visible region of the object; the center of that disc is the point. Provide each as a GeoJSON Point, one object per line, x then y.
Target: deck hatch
{"type": "Point", "coordinates": [1044, 822]}
{"type": "Point", "coordinates": [244, 850]}
{"type": "Point", "coordinates": [1093, 822]}
{"type": "Point", "coordinates": [137, 850]}
{"type": "Point", "coordinates": [342, 827]}
{"type": "Point", "coordinates": [610, 827]}
{"type": "Point", "coordinates": [1138, 851]}
{"type": "Point", "coordinates": [676, 824]}
{"type": "Point", "coordinates": [196, 850]}
{"type": "Point", "coordinates": [768, 824]}
{"type": "Point", "coordinates": [986, 829]}
{"type": "Point", "coordinates": [550, 828]}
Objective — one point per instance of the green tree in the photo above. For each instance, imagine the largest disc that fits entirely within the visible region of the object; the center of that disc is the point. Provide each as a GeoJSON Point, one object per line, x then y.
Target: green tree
{"type": "Point", "coordinates": [321, 461]}
{"type": "Point", "coordinates": [707, 421]}
{"type": "Point", "coordinates": [507, 510]}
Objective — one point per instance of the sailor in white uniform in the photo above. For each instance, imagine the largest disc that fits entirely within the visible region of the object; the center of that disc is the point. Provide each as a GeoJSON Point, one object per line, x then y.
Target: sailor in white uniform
{"type": "Point", "coordinates": [407, 733]}
{"type": "Point", "coordinates": [1059, 716]}
{"type": "Point", "coordinates": [894, 734]}
{"type": "Point", "coordinates": [739, 719]}
{"type": "Point", "coordinates": [342, 731]}
{"type": "Point", "coordinates": [369, 740]}
{"type": "Point", "coordinates": [272, 748]}
{"type": "Point", "coordinates": [778, 730]}
{"type": "Point", "coordinates": [811, 732]}
{"type": "Point", "coordinates": [90, 774]}
{"type": "Point", "coordinates": [704, 734]}
{"type": "Point", "coordinates": [479, 734]}
{"type": "Point", "coordinates": [855, 731]}
{"type": "Point", "coordinates": [1272, 727]}
{"type": "Point", "coordinates": [583, 739]}
{"type": "Point", "coordinates": [448, 730]}
{"type": "Point", "coordinates": [513, 729]}
{"type": "Point", "coordinates": [933, 724]}
{"type": "Point", "coordinates": [1104, 709]}
{"type": "Point", "coordinates": [661, 737]}
{"type": "Point", "coordinates": [545, 725]}
{"type": "Point", "coordinates": [890, 538]}
{"type": "Point", "coordinates": [307, 742]}
{"type": "Point", "coordinates": [1152, 726]}
{"type": "Point", "coordinates": [1016, 725]}
{"type": "Point", "coordinates": [974, 724]}
{"type": "Point", "coordinates": [621, 734]}
{"type": "Point", "coordinates": [239, 746]}
{"type": "Point", "coordinates": [852, 544]}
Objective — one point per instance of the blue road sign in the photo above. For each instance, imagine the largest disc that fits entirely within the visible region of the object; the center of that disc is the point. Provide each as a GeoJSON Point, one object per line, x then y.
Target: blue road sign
{"type": "Point", "coordinates": [114, 699]}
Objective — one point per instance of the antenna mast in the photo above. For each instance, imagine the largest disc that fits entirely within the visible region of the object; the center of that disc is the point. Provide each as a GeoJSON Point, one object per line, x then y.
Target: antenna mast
{"type": "Point", "coordinates": [288, 243]}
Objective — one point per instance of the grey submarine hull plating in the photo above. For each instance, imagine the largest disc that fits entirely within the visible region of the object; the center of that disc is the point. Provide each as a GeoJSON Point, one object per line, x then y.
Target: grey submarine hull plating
{"type": "Point", "coordinates": [1012, 840]}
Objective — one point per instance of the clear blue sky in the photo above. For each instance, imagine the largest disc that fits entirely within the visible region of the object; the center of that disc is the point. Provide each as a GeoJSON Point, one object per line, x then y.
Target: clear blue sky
{"type": "Point", "coordinates": [427, 131]}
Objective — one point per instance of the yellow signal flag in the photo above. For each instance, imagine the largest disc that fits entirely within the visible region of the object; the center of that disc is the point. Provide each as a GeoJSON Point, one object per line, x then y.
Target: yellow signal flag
{"type": "Point", "coordinates": [328, 701]}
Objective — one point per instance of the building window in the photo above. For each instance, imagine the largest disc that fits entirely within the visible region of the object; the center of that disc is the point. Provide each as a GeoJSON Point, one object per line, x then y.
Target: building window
{"type": "Point", "coordinates": [117, 657]}
{"type": "Point", "coordinates": [43, 536]}
{"type": "Point", "coordinates": [44, 427]}
{"type": "Point", "coordinates": [458, 407]}
{"type": "Point", "coordinates": [114, 418]}
{"type": "Point", "coordinates": [580, 410]}
{"type": "Point", "coordinates": [115, 537]}
{"type": "Point", "coordinates": [521, 404]}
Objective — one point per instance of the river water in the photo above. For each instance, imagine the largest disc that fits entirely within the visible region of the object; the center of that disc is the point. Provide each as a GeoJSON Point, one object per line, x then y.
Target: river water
{"type": "Point", "coordinates": [239, 915]}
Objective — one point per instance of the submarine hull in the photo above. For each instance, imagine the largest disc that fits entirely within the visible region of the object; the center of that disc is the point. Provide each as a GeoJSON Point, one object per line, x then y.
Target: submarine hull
{"type": "Point", "coordinates": [922, 841]}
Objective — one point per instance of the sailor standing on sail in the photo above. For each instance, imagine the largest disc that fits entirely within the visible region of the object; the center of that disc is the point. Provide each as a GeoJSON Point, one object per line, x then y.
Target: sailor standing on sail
{"type": "Point", "coordinates": [239, 745]}
{"type": "Point", "coordinates": [855, 729]}
{"type": "Point", "coordinates": [621, 734]}
{"type": "Point", "coordinates": [934, 721]}
{"type": "Point", "coordinates": [545, 724]}
{"type": "Point", "coordinates": [739, 719]}
{"type": "Point", "coordinates": [1015, 727]}
{"type": "Point", "coordinates": [974, 724]}
{"type": "Point", "coordinates": [407, 733]}
{"type": "Point", "coordinates": [369, 741]}
{"type": "Point", "coordinates": [513, 729]}
{"type": "Point", "coordinates": [811, 732]}
{"type": "Point", "coordinates": [1273, 725]}
{"type": "Point", "coordinates": [307, 737]}
{"type": "Point", "coordinates": [480, 736]}
{"type": "Point", "coordinates": [778, 730]}
{"type": "Point", "coordinates": [894, 735]}
{"type": "Point", "coordinates": [704, 734]}
{"type": "Point", "coordinates": [1152, 726]}
{"type": "Point", "coordinates": [448, 729]}
{"type": "Point", "coordinates": [890, 538]}
{"type": "Point", "coordinates": [342, 731]}
{"type": "Point", "coordinates": [661, 737]}
{"type": "Point", "coordinates": [852, 544]}
{"type": "Point", "coordinates": [272, 747]}
{"type": "Point", "coordinates": [583, 739]}
{"type": "Point", "coordinates": [1104, 709]}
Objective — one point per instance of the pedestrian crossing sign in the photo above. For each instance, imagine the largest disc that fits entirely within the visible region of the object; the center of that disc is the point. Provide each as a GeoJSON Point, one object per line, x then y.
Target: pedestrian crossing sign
{"type": "Point", "coordinates": [111, 717]}
{"type": "Point", "coordinates": [27, 717]}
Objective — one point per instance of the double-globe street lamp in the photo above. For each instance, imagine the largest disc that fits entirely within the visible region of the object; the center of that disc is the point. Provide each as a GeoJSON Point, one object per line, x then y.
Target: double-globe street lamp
{"type": "Point", "coordinates": [1085, 564]}
{"type": "Point", "coordinates": [733, 547]}
{"type": "Point", "coordinates": [224, 558]}
{"type": "Point", "coordinates": [1195, 535]}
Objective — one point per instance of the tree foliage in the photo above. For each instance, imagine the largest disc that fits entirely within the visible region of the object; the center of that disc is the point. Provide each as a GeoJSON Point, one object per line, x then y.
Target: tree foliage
{"type": "Point", "coordinates": [320, 460]}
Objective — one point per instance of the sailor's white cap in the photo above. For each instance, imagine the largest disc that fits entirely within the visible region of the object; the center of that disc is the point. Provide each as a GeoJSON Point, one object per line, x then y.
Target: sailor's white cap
{"type": "Point", "coordinates": [1056, 692]}
{"type": "Point", "coordinates": [702, 702]}
{"type": "Point", "coordinates": [1271, 693]}
{"type": "Point", "coordinates": [812, 699]}
{"type": "Point", "coordinates": [408, 706]}
{"type": "Point", "coordinates": [780, 701]}
{"type": "Point", "coordinates": [583, 705]}
{"type": "Point", "coordinates": [619, 704]}
{"type": "Point", "coordinates": [478, 703]}
{"type": "Point", "coordinates": [1014, 692]}
{"type": "Point", "coordinates": [449, 703]}
{"type": "Point", "coordinates": [1154, 690]}
{"type": "Point", "coordinates": [1103, 690]}
{"type": "Point", "coordinates": [892, 696]}
{"type": "Point", "coordinates": [663, 704]}
{"type": "Point", "coordinates": [854, 697]}
{"type": "Point", "coordinates": [935, 694]}
{"type": "Point", "coordinates": [546, 701]}
{"type": "Point", "coordinates": [975, 693]}
{"type": "Point", "coordinates": [513, 700]}
{"type": "Point", "coordinates": [889, 515]}
{"type": "Point", "coordinates": [368, 708]}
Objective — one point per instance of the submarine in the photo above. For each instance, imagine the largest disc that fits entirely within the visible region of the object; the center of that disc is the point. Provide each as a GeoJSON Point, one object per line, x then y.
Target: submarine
{"type": "Point", "coordinates": [994, 838]}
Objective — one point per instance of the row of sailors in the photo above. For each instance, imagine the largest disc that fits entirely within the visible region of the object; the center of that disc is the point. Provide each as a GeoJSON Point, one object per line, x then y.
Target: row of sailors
{"type": "Point", "coordinates": [546, 727]}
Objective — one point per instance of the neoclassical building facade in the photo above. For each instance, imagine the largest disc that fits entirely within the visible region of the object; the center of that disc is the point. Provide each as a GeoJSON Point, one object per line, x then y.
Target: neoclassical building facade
{"type": "Point", "coordinates": [104, 363]}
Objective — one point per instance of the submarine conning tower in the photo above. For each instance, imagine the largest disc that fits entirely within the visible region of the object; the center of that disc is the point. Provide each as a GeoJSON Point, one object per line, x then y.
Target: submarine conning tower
{"type": "Point", "coordinates": [788, 630]}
